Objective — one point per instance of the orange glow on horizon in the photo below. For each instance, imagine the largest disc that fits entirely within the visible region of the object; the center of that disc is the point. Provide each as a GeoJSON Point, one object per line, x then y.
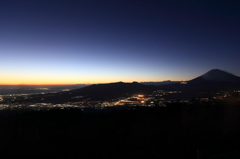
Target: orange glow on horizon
{"type": "Point", "coordinates": [60, 79]}
{"type": "Point", "coordinates": [69, 83]}
{"type": "Point", "coordinates": [76, 83]}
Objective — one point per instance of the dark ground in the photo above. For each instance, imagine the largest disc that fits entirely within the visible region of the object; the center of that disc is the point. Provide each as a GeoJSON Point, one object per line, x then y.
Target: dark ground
{"type": "Point", "coordinates": [177, 131]}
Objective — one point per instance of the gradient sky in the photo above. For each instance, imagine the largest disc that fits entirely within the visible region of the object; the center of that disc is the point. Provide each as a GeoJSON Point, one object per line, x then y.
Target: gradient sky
{"type": "Point", "coordinates": [98, 41]}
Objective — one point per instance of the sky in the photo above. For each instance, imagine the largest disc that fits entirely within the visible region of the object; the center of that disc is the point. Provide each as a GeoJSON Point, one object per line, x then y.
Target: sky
{"type": "Point", "coordinates": [101, 41]}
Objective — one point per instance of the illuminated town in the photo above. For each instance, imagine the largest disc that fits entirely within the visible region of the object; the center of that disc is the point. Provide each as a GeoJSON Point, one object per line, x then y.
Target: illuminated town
{"type": "Point", "coordinates": [158, 98]}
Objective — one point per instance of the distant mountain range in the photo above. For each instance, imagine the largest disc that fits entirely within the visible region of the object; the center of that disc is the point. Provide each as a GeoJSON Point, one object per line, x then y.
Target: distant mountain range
{"type": "Point", "coordinates": [212, 81]}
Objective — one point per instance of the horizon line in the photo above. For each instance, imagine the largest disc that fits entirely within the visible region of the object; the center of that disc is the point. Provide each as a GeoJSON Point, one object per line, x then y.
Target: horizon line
{"type": "Point", "coordinates": [82, 83]}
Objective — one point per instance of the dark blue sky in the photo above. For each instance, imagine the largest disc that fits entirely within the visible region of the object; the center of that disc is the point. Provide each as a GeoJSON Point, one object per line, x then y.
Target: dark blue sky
{"type": "Point", "coordinates": [63, 42]}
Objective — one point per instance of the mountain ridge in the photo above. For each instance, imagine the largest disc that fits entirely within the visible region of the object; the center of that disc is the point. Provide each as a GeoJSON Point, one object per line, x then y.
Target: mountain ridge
{"type": "Point", "coordinates": [212, 81]}
{"type": "Point", "coordinates": [216, 75]}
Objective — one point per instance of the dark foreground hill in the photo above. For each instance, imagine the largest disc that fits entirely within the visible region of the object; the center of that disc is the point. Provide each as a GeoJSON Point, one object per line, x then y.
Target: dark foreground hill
{"type": "Point", "coordinates": [197, 131]}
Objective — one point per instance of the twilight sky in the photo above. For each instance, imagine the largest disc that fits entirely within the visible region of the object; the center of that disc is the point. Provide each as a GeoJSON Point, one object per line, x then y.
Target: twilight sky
{"type": "Point", "coordinates": [99, 41]}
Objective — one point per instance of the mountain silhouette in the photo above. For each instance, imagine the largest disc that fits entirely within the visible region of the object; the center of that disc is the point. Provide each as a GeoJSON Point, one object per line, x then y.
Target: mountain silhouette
{"type": "Point", "coordinates": [95, 92]}
{"type": "Point", "coordinates": [212, 81]}
{"type": "Point", "coordinates": [160, 83]}
{"type": "Point", "coordinates": [113, 90]}
{"type": "Point", "coordinates": [216, 75]}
